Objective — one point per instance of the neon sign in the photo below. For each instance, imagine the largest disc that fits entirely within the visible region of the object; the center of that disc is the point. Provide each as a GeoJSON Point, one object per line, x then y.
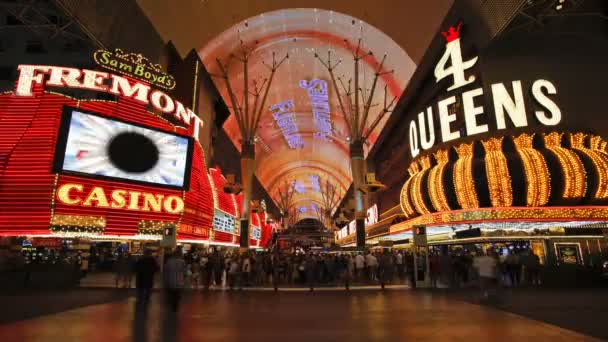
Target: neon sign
{"type": "Point", "coordinates": [74, 194]}
{"type": "Point", "coordinates": [319, 101]}
{"type": "Point", "coordinates": [134, 65]}
{"type": "Point", "coordinates": [451, 63]}
{"type": "Point", "coordinates": [30, 75]}
{"type": "Point", "coordinates": [284, 116]}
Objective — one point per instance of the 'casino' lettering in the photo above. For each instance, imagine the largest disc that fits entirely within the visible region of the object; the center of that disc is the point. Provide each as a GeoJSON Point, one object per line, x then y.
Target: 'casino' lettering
{"type": "Point", "coordinates": [74, 194]}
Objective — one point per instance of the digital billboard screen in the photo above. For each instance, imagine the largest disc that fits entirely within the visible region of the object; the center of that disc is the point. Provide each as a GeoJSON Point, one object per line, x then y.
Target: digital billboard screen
{"type": "Point", "coordinates": [90, 144]}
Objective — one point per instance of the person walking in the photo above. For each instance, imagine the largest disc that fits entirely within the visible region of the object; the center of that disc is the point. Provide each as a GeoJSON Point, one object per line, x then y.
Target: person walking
{"type": "Point", "coordinates": [486, 268]}
{"type": "Point", "coordinates": [274, 268]}
{"type": "Point", "coordinates": [359, 266]}
{"type": "Point", "coordinates": [311, 272]}
{"type": "Point", "coordinates": [385, 268]}
{"type": "Point", "coordinates": [399, 265]}
{"type": "Point", "coordinates": [173, 278]}
{"type": "Point", "coordinates": [245, 271]}
{"type": "Point", "coordinates": [121, 268]}
{"type": "Point", "coordinates": [532, 269]}
{"type": "Point", "coordinates": [233, 271]}
{"type": "Point", "coordinates": [513, 264]}
{"type": "Point", "coordinates": [196, 273]}
{"type": "Point", "coordinates": [350, 271]}
{"type": "Point", "coordinates": [145, 268]}
{"type": "Point", "coordinates": [371, 262]}
{"type": "Point", "coordinates": [434, 269]}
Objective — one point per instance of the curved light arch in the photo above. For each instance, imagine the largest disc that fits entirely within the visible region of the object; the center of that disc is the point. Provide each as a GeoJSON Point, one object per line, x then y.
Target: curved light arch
{"type": "Point", "coordinates": [302, 33]}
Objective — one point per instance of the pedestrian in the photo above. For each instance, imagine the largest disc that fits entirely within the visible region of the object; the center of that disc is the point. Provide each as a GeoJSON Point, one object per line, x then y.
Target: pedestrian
{"type": "Point", "coordinates": [195, 267]}
{"type": "Point", "coordinates": [359, 266]}
{"type": "Point", "coordinates": [350, 271]}
{"type": "Point", "coordinates": [311, 265]}
{"type": "Point", "coordinates": [385, 268]}
{"type": "Point", "coordinates": [532, 265]}
{"type": "Point", "coordinates": [434, 269]}
{"type": "Point", "coordinates": [513, 264]}
{"type": "Point", "coordinates": [145, 268]}
{"type": "Point", "coordinates": [486, 268]}
{"type": "Point", "coordinates": [233, 271]}
{"type": "Point", "coordinates": [275, 266]}
{"type": "Point", "coordinates": [399, 265]}
{"type": "Point", "coordinates": [372, 266]}
{"type": "Point", "coordinates": [245, 271]}
{"type": "Point", "coordinates": [174, 275]}
{"type": "Point", "coordinates": [445, 268]}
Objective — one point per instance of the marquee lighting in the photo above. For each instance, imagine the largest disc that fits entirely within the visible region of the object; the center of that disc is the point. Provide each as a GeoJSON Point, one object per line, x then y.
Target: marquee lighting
{"type": "Point", "coordinates": [517, 214]}
{"type": "Point", "coordinates": [424, 163]}
{"type": "Point", "coordinates": [600, 161]}
{"type": "Point", "coordinates": [463, 177]}
{"type": "Point", "coordinates": [435, 183]}
{"type": "Point", "coordinates": [538, 181]}
{"type": "Point", "coordinates": [77, 224]}
{"type": "Point", "coordinates": [575, 184]}
{"type": "Point", "coordinates": [598, 144]}
{"type": "Point", "coordinates": [497, 172]}
{"type": "Point", "coordinates": [73, 194]}
{"type": "Point", "coordinates": [406, 204]}
{"type": "Point", "coordinates": [31, 75]}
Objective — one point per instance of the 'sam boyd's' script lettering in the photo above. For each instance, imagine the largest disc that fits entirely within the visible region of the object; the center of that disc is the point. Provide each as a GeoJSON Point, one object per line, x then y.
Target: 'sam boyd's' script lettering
{"type": "Point", "coordinates": [507, 98]}
{"type": "Point", "coordinates": [134, 65]}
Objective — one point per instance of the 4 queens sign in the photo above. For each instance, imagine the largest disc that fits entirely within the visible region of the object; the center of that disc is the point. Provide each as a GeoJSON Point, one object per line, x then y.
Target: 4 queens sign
{"type": "Point", "coordinates": [507, 99]}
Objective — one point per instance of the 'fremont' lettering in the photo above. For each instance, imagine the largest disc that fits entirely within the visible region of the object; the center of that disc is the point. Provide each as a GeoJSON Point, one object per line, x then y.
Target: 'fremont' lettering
{"type": "Point", "coordinates": [30, 75]}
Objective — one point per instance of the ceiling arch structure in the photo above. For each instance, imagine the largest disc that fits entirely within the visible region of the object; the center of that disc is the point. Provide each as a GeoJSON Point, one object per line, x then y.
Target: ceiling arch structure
{"type": "Point", "coordinates": [302, 32]}
{"type": "Point", "coordinates": [194, 23]}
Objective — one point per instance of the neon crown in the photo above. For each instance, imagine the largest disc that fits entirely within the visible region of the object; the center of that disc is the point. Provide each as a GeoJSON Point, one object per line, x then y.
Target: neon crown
{"type": "Point", "coordinates": [452, 33]}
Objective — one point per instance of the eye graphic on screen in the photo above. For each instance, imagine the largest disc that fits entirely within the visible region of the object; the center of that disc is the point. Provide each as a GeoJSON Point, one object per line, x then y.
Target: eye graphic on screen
{"type": "Point", "coordinates": [104, 147]}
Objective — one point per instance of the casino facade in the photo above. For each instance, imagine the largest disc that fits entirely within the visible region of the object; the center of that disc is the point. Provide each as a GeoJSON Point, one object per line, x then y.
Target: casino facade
{"type": "Point", "coordinates": [106, 170]}
{"type": "Point", "coordinates": [501, 143]}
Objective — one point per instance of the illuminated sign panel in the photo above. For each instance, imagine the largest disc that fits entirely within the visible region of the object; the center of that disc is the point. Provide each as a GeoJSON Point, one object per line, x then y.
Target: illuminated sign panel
{"type": "Point", "coordinates": [74, 194]}
{"type": "Point", "coordinates": [30, 75]}
{"type": "Point", "coordinates": [372, 215]}
{"type": "Point", "coordinates": [90, 144]}
{"type": "Point", "coordinates": [508, 102]}
{"type": "Point", "coordinates": [284, 116]}
{"type": "Point", "coordinates": [319, 101]}
{"type": "Point", "coordinates": [256, 233]}
{"type": "Point", "coordinates": [134, 65]}
{"type": "Point", "coordinates": [223, 222]}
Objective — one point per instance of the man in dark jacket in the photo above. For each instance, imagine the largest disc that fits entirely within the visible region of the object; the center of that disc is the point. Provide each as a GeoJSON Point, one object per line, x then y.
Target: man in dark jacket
{"type": "Point", "coordinates": [145, 268]}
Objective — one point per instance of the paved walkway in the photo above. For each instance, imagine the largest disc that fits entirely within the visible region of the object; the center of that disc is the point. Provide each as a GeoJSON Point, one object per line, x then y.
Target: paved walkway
{"type": "Point", "coordinates": [402, 315]}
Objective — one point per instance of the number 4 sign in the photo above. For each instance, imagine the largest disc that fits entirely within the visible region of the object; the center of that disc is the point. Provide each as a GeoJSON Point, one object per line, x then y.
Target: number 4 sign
{"type": "Point", "coordinates": [453, 53]}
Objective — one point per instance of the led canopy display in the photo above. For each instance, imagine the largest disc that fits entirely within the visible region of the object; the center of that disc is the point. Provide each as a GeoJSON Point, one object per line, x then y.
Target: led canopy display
{"type": "Point", "coordinates": [91, 144]}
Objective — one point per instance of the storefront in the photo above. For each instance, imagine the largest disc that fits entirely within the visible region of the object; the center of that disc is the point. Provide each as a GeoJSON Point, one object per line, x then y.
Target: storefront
{"type": "Point", "coordinates": [506, 144]}
{"type": "Point", "coordinates": [510, 153]}
{"type": "Point", "coordinates": [118, 170]}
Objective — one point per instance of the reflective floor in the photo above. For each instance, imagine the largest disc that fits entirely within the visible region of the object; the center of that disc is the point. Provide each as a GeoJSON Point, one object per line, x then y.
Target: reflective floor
{"type": "Point", "coordinates": [397, 315]}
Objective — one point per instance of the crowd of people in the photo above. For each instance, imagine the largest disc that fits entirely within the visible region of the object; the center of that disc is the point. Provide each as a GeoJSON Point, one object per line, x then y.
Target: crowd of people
{"type": "Point", "coordinates": [465, 268]}
{"type": "Point", "coordinates": [230, 269]}
{"type": "Point", "coordinates": [276, 269]}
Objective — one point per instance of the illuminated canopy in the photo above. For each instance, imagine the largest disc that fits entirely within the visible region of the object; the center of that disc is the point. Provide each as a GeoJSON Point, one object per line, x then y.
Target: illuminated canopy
{"type": "Point", "coordinates": [302, 135]}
